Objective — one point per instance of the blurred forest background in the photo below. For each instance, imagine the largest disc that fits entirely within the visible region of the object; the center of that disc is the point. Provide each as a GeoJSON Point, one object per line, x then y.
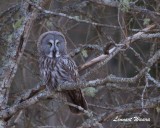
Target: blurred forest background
{"type": "Point", "coordinates": [132, 69]}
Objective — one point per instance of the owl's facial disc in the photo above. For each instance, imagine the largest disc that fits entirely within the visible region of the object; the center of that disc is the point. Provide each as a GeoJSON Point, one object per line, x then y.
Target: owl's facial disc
{"type": "Point", "coordinates": [54, 50]}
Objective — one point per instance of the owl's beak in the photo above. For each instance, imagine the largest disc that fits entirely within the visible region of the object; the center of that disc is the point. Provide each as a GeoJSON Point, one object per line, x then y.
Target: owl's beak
{"type": "Point", "coordinates": [54, 53]}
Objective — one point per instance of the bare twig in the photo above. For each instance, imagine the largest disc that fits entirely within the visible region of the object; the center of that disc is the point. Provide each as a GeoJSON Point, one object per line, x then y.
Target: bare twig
{"type": "Point", "coordinates": [85, 47]}
{"type": "Point", "coordinates": [12, 9]}
{"type": "Point", "coordinates": [153, 15]}
{"type": "Point", "coordinates": [103, 59]}
{"type": "Point", "coordinates": [136, 106]}
{"type": "Point", "coordinates": [47, 12]}
{"type": "Point", "coordinates": [156, 82]}
{"type": "Point", "coordinates": [143, 93]}
{"type": "Point", "coordinates": [88, 113]}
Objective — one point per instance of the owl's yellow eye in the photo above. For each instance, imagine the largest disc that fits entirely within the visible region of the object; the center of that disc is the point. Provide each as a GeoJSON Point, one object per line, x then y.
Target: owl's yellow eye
{"type": "Point", "coordinates": [50, 44]}
{"type": "Point", "coordinates": [58, 43]}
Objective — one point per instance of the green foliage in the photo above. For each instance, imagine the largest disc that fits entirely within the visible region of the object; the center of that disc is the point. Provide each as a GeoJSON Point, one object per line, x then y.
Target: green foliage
{"type": "Point", "coordinates": [146, 21]}
{"type": "Point", "coordinates": [18, 24]}
{"type": "Point", "coordinates": [124, 4]}
{"type": "Point", "coordinates": [90, 91]}
{"type": "Point", "coordinates": [84, 53]}
{"type": "Point", "coordinates": [158, 109]}
{"type": "Point", "coordinates": [77, 17]}
{"type": "Point", "coordinates": [9, 38]}
{"type": "Point", "coordinates": [49, 24]}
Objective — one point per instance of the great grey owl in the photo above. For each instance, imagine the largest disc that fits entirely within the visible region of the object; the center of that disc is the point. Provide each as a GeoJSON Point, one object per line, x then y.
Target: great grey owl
{"type": "Point", "coordinates": [57, 67]}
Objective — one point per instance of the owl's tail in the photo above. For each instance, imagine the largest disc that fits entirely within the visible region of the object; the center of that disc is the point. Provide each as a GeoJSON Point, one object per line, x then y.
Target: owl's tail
{"type": "Point", "coordinates": [76, 97]}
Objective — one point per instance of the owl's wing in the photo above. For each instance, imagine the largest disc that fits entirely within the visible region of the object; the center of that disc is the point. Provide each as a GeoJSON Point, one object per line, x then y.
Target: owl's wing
{"type": "Point", "coordinates": [68, 70]}
{"type": "Point", "coordinates": [74, 96]}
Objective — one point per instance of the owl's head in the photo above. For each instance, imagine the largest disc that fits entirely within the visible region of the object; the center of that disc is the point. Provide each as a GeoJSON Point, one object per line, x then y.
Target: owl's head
{"type": "Point", "coordinates": [52, 44]}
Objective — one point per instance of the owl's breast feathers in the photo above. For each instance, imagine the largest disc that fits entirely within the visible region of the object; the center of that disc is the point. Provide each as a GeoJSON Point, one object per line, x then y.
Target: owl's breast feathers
{"type": "Point", "coordinates": [58, 71]}
{"type": "Point", "coordinates": [67, 69]}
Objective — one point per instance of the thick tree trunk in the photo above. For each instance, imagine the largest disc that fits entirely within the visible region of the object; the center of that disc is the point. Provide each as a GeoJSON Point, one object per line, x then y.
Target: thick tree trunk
{"type": "Point", "coordinates": [13, 54]}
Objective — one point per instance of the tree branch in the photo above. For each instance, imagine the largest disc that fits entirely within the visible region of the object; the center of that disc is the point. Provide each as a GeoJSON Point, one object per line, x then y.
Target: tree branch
{"type": "Point", "coordinates": [52, 13]}
{"type": "Point", "coordinates": [103, 59]}
{"type": "Point", "coordinates": [14, 53]}
{"type": "Point", "coordinates": [7, 113]}
{"type": "Point", "coordinates": [136, 106]}
{"type": "Point", "coordinates": [153, 15]}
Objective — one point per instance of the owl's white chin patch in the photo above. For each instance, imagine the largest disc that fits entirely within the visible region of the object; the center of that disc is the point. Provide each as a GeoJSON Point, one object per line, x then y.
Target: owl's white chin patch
{"type": "Point", "coordinates": [57, 54]}
{"type": "Point", "coordinates": [50, 55]}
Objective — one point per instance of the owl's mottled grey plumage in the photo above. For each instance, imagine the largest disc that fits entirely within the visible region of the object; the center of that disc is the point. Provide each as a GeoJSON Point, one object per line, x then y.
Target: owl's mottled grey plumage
{"type": "Point", "coordinates": [57, 67]}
